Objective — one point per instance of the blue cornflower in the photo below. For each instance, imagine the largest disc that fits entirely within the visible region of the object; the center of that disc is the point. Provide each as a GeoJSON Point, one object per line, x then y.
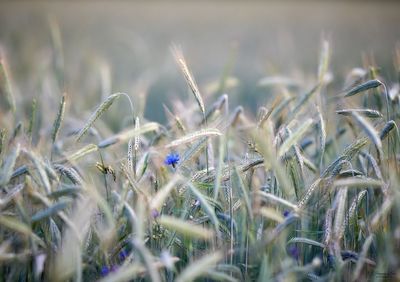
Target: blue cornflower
{"type": "Point", "coordinates": [286, 213]}
{"type": "Point", "coordinates": [294, 252]}
{"type": "Point", "coordinates": [104, 271]}
{"type": "Point", "coordinates": [155, 213]}
{"type": "Point", "coordinates": [123, 255]}
{"type": "Point", "coordinates": [172, 159]}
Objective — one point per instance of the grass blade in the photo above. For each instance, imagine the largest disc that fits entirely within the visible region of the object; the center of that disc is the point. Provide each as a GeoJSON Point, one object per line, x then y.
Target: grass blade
{"type": "Point", "coordinates": [6, 92]}
{"type": "Point", "coordinates": [199, 267]}
{"type": "Point", "coordinates": [50, 211]}
{"type": "Point", "coordinates": [185, 228]}
{"type": "Point", "coordinates": [295, 137]}
{"type": "Point", "coordinates": [193, 136]}
{"type": "Point", "coordinates": [371, 133]}
{"type": "Point", "coordinates": [128, 134]}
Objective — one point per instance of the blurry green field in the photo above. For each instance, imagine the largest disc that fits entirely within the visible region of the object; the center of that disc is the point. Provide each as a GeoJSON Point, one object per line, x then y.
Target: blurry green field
{"type": "Point", "coordinates": [199, 148]}
{"type": "Point", "coordinates": [131, 41]}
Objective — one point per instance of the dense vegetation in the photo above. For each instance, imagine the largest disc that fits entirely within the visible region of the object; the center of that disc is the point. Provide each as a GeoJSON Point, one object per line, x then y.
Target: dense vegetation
{"type": "Point", "coordinates": [306, 189]}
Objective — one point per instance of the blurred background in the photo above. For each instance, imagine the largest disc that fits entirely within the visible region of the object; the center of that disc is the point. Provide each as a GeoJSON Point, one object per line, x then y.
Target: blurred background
{"type": "Point", "coordinates": [93, 48]}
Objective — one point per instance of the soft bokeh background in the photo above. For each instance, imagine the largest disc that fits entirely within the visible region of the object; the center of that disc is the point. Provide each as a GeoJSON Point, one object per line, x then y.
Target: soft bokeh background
{"type": "Point", "coordinates": [125, 46]}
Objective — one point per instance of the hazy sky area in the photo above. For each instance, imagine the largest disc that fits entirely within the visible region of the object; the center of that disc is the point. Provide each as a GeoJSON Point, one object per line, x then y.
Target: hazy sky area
{"type": "Point", "coordinates": [133, 39]}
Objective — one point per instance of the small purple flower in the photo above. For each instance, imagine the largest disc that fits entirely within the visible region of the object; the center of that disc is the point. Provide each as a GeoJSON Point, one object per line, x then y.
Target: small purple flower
{"type": "Point", "coordinates": [104, 271]}
{"type": "Point", "coordinates": [294, 252]}
{"type": "Point", "coordinates": [286, 213]}
{"type": "Point", "coordinates": [155, 213]}
{"type": "Point", "coordinates": [123, 255]}
{"type": "Point", "coordinates": [172, 159]}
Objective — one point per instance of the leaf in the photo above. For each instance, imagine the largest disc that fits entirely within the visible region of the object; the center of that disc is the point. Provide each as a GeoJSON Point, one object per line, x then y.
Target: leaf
{"type": "Point", "coordinates": [294, 137]}
{"type": "Point", "coordinates": [193, 136]}
{"type": "Point", "coordinates": [371, 132]}
{"type": "Point", "coordinates": [242, 191]}
{"type": "Point", "coordinates": [199, 267]}
{"type": "Point", "coordinates": [50, 211]}
{"type": "Point", "coordinates": [15, 225]}
{"type": "Point", "coordinates": [158, 200]}
{"type": "Point", "coordinates": [208, 209]}
{"type": "Point", "coordinates": [273, 198]}
{"type": "Point", "coordinates": [185, 228]}
{"type": "Point", "coordinates": [359, 182]}
{"type": "Point", "coordinates": [128, 134]}
{"type": "Point", "coordinates": [90, 148]}
{"type": "Point", "coordinates": [305, 241]}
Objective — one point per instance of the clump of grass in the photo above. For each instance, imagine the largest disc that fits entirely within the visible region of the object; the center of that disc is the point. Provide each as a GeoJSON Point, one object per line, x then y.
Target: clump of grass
{"type": "Point", "coordinates": [298, 192]}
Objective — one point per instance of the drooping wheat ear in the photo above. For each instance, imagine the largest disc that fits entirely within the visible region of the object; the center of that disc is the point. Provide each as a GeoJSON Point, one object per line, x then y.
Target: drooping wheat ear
{"type": "Point", "coordinates": [362, 112]}
{"type": "Point", "coordinates": [177, 52]}
{"type": "Point", "coordinates": [97, 113]}
{"type": "Point", "coordinates": [70, 173]}
{"type": "Point", "coordinates": [370, 84]}
{"type": "Point", "coordinates": [59, 118]}
{"type": "Point", "coordinates": [387, 128]}
{"type": "Point", "coordinates": [363, 87]}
